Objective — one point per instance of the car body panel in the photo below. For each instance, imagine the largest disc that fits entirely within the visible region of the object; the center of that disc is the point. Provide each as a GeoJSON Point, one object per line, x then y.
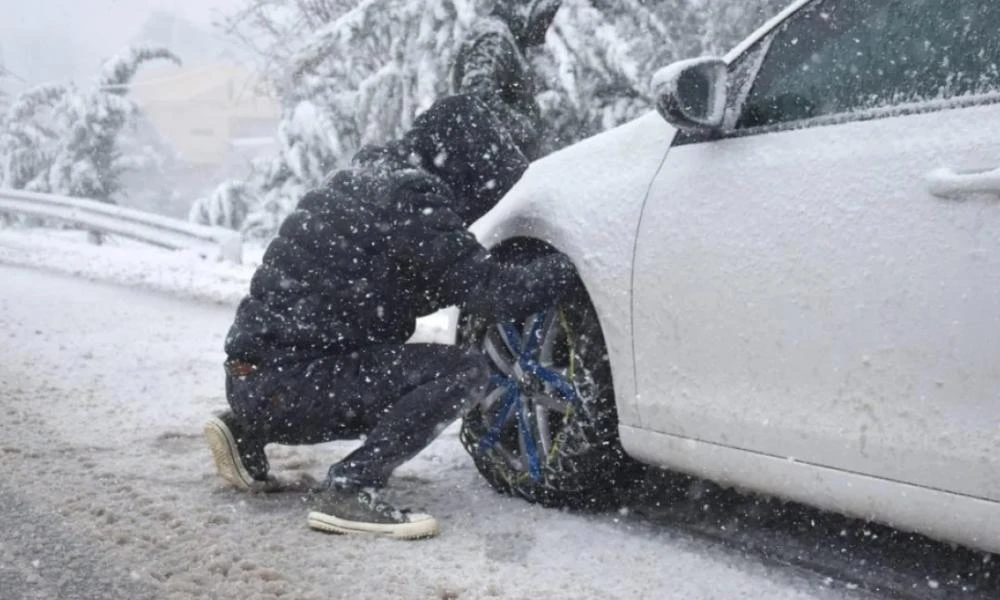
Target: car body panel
{"type": "Point", "coordinates": [829, 309]}
{"type": "Point", "coordinates": [593, 221]}
{"type": "Point", "coordinates": [818, 329]}
{"type": "Point", "coordinates": [952, 517]}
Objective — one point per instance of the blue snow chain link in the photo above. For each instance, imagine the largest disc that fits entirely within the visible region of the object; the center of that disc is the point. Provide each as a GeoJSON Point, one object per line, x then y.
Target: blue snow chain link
{"type": "Point", "coordinates": [513, 398]}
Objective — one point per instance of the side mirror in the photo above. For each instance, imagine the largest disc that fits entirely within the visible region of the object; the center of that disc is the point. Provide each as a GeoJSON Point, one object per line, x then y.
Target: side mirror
{"type": "Point", "coordinates": [691, 94]}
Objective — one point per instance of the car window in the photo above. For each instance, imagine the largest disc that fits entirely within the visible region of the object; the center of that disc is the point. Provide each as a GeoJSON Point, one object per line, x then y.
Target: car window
{"type": "Point", "coordinates": [843, 56]}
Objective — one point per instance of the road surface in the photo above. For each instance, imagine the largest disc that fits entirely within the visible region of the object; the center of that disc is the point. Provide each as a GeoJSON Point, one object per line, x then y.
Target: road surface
{"type": "Point", "coordinates": [108, 492]}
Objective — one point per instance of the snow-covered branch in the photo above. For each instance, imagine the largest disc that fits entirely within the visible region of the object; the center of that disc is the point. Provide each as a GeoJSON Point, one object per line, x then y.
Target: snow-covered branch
{"type": "Point", "coordinates": [64, 140]}
{"type": "Point", "coordinates": [118, 71]}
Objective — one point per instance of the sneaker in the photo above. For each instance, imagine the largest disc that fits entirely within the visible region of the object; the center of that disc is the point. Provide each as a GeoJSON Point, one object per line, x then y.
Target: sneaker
{"type": "Point", "coordinates": [360, 510]}
{"type": "Point", "coordinates": [238, 459]}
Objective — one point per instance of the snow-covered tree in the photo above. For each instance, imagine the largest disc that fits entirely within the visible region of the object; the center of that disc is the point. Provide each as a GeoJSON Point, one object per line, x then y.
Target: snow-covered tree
{"type": "Point", "coordinates": [270, 28]}
{"type": "Point", "coordinates": [227, 206]}
{"type": "Point", "coordinates": [61, 139]}
{"type": "Point", "coordinates": [29, 136]}
{"type": "Point", "coordinates": [374, 68]}
{"type": "Point", "coordinates": [360, 77]}
{"type": "Point", "coordinates": [88, 162]}
{"type": "Point", "coordinates": [4, 96]}
{"type": "Point", "coordinates": [594, 66]}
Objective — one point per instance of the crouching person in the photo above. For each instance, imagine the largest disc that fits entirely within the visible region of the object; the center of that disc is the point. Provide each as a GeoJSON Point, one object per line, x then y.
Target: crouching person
{"type": "Point", "coordinates": [316, 352]}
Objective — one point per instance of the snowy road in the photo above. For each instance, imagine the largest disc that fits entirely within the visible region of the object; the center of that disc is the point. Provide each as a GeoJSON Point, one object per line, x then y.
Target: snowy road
{"type": "Point", "coordinates": [108, 493]}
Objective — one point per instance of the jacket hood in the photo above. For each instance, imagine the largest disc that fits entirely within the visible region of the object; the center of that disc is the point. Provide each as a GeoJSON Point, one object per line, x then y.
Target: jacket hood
{"type": "Point", "coordinates": [460, 141]}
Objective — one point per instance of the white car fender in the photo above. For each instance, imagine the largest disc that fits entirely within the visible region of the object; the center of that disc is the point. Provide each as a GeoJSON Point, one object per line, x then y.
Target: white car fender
{"type": "Point", "coordinates": [586, 201]}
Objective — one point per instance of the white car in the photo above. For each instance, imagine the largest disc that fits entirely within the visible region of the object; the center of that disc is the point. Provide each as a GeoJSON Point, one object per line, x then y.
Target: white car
{"type": "Point", "coordinates": [790, 279]}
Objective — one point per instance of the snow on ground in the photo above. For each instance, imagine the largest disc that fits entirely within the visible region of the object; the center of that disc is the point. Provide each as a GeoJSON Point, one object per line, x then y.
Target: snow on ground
{"type": "Point", "coordinates": [102, 393]}
{"type": "Point", "coordinates": [139, 265]}
{"type": "Point", "coordinates": [129, 263]}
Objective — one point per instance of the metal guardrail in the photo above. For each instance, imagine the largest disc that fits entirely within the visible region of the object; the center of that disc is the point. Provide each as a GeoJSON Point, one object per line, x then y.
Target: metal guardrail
{"type": "Point", "coordinates": [157, 230]}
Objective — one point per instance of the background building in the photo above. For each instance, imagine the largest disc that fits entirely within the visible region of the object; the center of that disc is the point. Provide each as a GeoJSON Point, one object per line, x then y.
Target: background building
{"type": "Point", "coordinates": [212, 115]}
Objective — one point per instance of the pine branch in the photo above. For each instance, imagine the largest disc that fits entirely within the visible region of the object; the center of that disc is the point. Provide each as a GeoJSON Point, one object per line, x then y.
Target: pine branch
{"type": "Point", "coordinates": [118, 71]}
{"type": "Point", "coordinates": [30, 102]}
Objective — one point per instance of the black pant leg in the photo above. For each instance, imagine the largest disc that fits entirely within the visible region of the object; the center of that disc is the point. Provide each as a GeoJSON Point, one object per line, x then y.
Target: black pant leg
{"type": "Point", "coordinates": [430, 386]}
{"type": "Point", "coordinates": [311, 402]}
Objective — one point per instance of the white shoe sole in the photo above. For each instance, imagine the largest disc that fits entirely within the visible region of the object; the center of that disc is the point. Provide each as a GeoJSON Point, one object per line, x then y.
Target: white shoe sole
{"type": "Point", "coordinates": [226, 455]}
{"type": "Point", "coordinates": [422, 526]}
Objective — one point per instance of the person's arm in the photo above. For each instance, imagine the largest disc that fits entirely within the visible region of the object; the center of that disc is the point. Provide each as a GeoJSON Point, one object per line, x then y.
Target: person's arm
{"type": "Point", "coordinates": [491, 67]}
{"type": "Point", "coordinates": [509, 290]}
{"type": "Point", "coordinates": [458, 270]}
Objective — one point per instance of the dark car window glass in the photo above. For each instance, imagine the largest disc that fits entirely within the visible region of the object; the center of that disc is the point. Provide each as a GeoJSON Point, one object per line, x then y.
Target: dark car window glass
{"type": "Point", "coordinates": [848, 55]}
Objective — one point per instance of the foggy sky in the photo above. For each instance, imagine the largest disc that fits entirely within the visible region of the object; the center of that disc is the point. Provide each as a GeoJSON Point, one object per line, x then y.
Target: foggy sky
{"type": "Point", "coordinates": [43, 40]}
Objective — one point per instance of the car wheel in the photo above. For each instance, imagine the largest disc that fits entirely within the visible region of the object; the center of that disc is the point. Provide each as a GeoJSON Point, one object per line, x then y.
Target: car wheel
{"type": "Point", "coordinates": [547, 428]}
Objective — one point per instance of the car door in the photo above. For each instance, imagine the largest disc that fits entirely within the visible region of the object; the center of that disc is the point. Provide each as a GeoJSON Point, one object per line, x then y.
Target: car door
{"type": "Point", "coordinates": [821, 282]}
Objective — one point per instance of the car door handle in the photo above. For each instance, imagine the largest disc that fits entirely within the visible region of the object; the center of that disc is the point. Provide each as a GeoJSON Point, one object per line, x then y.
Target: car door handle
{"type": "Point", "coordinates": [947, 183]}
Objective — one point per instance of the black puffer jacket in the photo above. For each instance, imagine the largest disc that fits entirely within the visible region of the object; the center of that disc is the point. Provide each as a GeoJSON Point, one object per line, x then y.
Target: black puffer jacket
{"type": "Point", "coordinates": [386, 242]}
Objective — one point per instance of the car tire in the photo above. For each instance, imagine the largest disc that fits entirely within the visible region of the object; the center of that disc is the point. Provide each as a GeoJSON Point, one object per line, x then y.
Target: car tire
{"type": "Point", "coordinates": [556, 442]}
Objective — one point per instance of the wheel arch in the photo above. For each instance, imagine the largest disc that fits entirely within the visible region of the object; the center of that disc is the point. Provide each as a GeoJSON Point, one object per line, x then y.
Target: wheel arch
{"type": "Point", "coordinates": [585, 201]}
{"type": "Point", "coordinates": [526, 247]}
